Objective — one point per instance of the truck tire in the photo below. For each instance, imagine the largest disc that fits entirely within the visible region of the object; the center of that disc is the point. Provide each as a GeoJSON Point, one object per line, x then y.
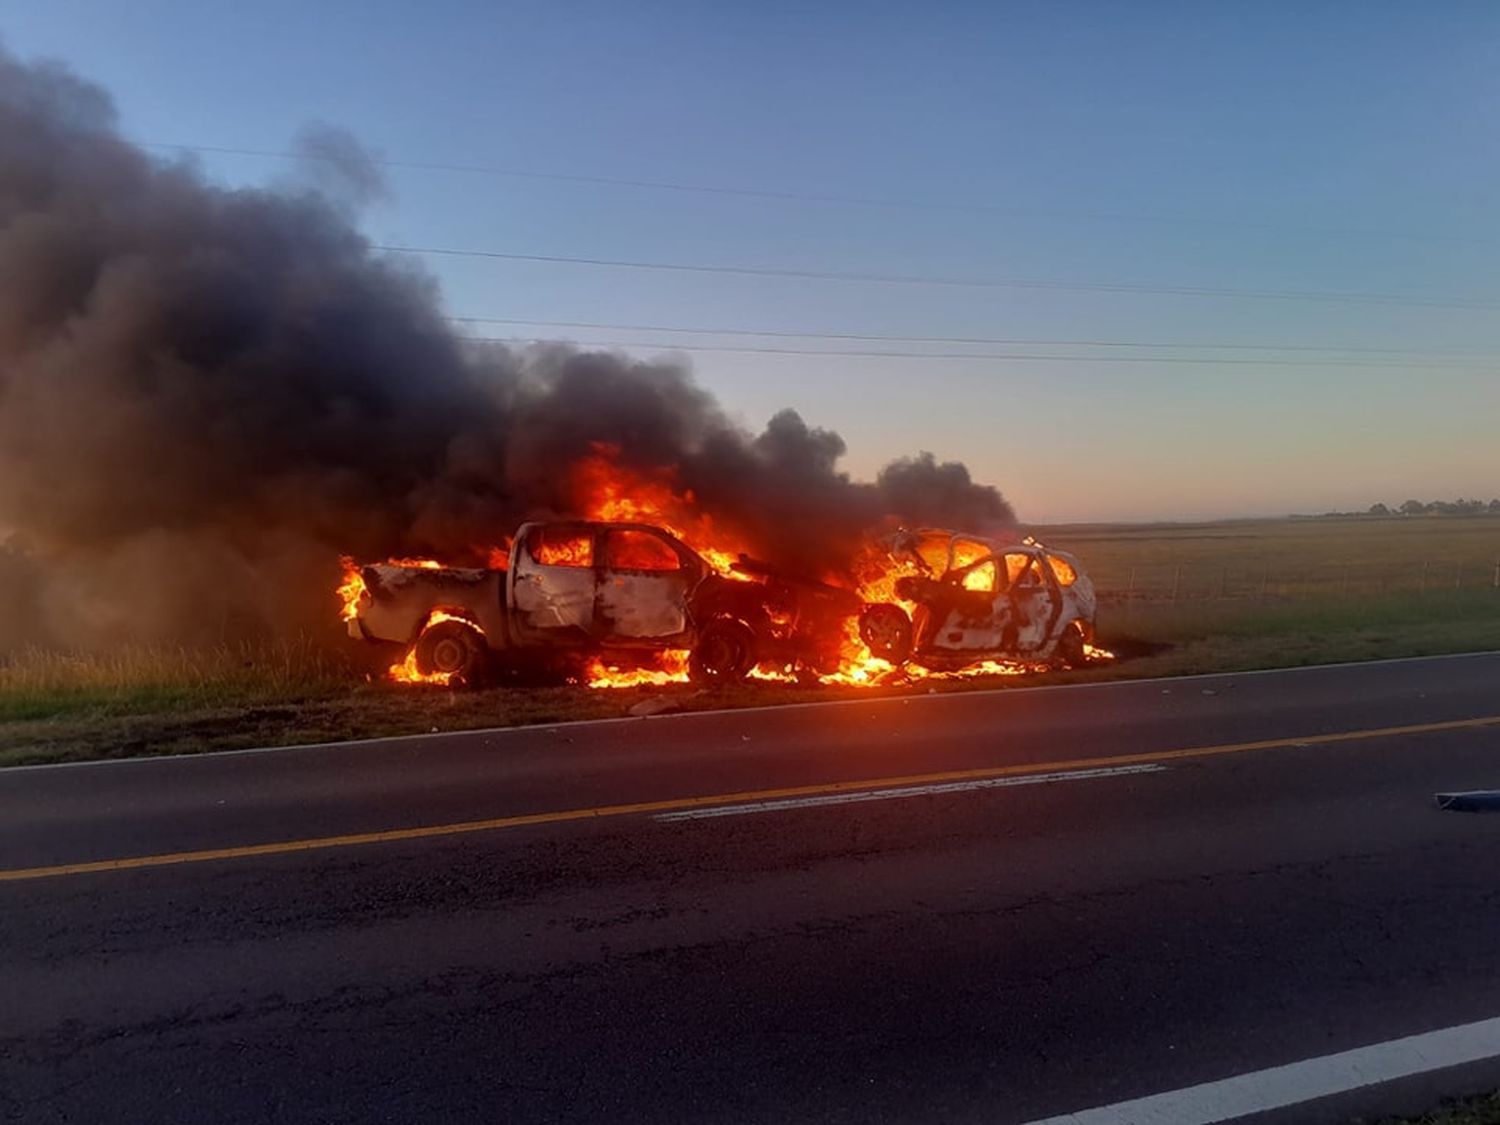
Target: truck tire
{"type": "Point", "coordinates": [453, 648]}
{"type": "Point", "coordinates": [886, 631]}
{"type": "Point", "coordinates": [724, 654]}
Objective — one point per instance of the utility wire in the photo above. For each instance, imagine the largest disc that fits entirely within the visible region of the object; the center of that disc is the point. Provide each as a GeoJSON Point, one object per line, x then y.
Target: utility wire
{"type": "Point", "coordinates": [828, 198]}
{"type": "Point", "coordinates": [1013, 341]}
{"type": "Point", "coordinates": [956, 282]}
{"type": "Point", "coordinates": [1000, 356]}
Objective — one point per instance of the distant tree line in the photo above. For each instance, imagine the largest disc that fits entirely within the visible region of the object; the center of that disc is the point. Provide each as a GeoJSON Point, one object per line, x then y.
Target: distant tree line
{"type": "Point", "coordinates": [1459, 507]}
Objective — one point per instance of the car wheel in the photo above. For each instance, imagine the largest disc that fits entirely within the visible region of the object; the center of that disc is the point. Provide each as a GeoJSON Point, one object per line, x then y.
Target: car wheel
{"type": "Point", "coordinates": [886, 631]}
{"type": "Point", "coordinates": [1071, 650]}
{"type": "Point", "coordinates": [454, 649]}
{"type": "Point", "coordinates": [725, 653]}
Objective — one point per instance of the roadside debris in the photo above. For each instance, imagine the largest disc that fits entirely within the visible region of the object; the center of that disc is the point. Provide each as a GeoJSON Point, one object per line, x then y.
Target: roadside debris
{"type": "Point", "coordinates": [661, 705]}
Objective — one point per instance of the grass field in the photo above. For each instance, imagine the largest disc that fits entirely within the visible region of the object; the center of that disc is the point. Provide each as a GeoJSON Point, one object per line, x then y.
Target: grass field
{"type": "Point", "coordinates": [1323, 559]}
{"type": "Point", "coordinates": [1275, 593]}
{"type": "Point", "coordinates": [1175, 599]}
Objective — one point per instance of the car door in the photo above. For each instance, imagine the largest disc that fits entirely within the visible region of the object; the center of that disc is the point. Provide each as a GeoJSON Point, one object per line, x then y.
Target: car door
{"type": "Point", "coordinates": [554, 585]}
{"type": "Point", "coordinates": [969, 612]}
{"type": "Point", "coordinates": [645, 579]}
{"type": "Point", "coordinates": [1034, 602]}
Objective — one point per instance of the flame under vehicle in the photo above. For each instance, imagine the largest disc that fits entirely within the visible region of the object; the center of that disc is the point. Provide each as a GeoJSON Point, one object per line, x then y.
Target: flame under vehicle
{"type": "Point", "coordinates": [617, 589]}
{"type": "Point", "coordinates": [979, 599]}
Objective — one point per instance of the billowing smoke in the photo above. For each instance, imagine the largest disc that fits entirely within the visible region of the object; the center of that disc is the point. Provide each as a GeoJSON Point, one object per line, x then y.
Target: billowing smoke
{"type": "Point", "coordinates": [206, 395]}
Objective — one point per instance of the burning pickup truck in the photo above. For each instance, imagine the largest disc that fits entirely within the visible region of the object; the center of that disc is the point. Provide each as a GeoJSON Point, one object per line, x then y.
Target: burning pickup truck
{"type": "Point", "coordinates": [623, 590]}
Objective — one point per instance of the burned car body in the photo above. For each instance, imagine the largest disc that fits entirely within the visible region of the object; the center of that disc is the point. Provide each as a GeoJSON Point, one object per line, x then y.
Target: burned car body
{"type": "Point", "coordinates": [617, 589]}
{"type": "Point", "coordinates": [977, 600]}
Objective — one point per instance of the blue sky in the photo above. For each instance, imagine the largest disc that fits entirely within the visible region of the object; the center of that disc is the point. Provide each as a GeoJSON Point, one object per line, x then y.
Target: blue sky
{"type": "Point", "coordinates": [1287, 147]}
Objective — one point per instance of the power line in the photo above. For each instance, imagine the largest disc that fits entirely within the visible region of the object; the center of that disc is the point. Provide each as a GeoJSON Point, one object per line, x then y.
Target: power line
{"type": "Point", "coordinates": [955, 282]}
{"type": "Point", "coordinates": [1202, 361]}
{"type": "Point", "coordinates": [1015, 341]}
{"type": "Point", "coordinates": [827, 198]}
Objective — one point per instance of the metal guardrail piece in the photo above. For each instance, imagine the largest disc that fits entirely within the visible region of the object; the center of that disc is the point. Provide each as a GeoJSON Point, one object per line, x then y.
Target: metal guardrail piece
{"type": "Point", "coordinates": [1478, 800]}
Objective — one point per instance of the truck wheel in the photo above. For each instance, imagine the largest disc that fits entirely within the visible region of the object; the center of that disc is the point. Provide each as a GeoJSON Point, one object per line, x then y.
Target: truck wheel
{"type": "Point", "coordinates": [452, 648]}
{"type": "Point", "coordinates": [886, 631]}
{"type": "Point", "coordinates": [724, 654]}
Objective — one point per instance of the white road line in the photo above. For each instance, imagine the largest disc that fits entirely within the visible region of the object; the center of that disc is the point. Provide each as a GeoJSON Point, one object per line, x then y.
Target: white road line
{"type": "Point", "coordinates": [1282, 1086]}
{"type": "Point", "coordinates": [903, 791]}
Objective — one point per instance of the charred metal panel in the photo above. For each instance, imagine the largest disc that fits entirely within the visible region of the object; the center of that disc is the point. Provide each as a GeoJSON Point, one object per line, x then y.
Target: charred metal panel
{"type": "Point", "coordinates": [1034, 600]}
{"type": "Point", "coordinates": [1034, 612]}
{"type": "Point", "coordinates": [550, 600]}
{"type": "Point", "coordinates": [960, 633]}
{"type": "Point", "coordinates": [642, 605]}
{"type": "Point", "coordinates": [402, 598]}
{"type": "Point", "coordinates": [554, 597]}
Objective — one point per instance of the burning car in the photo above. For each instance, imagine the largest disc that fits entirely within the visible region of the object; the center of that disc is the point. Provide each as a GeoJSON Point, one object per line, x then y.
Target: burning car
{"type": "Point", "coordinates": [974, 599]}
{"type": "Point", "coordinates": [623, 590]}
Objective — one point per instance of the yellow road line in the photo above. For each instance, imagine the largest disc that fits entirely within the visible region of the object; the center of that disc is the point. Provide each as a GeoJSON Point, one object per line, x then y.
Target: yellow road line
{"type": "Point", "coordinates": [320, 843]}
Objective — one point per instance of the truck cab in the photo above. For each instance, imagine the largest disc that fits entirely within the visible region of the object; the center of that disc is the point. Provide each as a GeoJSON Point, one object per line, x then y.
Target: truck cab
{"type": "Point", "coordinates": [606, 585]}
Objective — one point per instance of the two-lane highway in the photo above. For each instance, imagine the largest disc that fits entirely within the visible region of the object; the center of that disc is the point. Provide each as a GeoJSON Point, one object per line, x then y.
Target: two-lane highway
{"type": "Point", "coordinates": [982, 907]}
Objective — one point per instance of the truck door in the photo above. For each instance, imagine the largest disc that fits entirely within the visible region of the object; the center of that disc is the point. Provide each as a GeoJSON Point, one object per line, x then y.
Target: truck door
{"type": "Point", "coordinates": [644, 583]}
{"type": "Point", "coordinates": [554, 585]}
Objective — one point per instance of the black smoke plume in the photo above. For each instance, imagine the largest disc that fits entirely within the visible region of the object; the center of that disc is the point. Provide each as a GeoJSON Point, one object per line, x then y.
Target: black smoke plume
{"type": "Point", "coordinates": [206, 395]}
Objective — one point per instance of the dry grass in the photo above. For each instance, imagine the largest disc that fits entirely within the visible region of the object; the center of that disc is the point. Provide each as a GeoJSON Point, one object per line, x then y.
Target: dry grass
{"type": "Point", "coordinates": [56, 706]}
{"type": "Point", "coordinates": [37, 682]}
{"type": "Point", "coordinates": [1482, 1110]}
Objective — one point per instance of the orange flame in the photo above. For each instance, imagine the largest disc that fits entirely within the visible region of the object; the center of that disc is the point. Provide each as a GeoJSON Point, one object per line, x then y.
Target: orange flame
{"type": "Point", "coordinates": [604, 490]}
{"type": "Point", "coordinates": [351, 589]}
{"type": "Point", "coordinates": [671, 668]}
{"type": "Point", "coordinates": [406, 672]}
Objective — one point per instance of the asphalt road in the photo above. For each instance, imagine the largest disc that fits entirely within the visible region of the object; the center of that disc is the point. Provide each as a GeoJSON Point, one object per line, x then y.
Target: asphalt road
{"type": "Point", "coordinates": [1098, 893]}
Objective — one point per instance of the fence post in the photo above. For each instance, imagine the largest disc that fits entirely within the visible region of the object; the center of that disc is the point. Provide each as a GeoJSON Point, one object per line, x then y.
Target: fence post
{"type": "Point", "coordinates": [1344, 583]}
{"type": "Point", "coordinates": [1497, 574]}
{"type": "Point", "coordinates": [1458, 574]}
{"type": "Point", "coordinates": [1223, 582]}
{"type": "Point", "coordinates": [1425, 564]}
{"type": "Point", "coordinates": [1130, 590]}
{"type": "Point", "coordinates": [1265, 577]}
{"type": "Point", "coordinates": [1176, 581]}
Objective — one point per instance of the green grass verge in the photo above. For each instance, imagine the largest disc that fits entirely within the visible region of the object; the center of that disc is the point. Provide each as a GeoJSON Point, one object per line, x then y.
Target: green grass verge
{"type": "Point", "coordinates": [56, 707]}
